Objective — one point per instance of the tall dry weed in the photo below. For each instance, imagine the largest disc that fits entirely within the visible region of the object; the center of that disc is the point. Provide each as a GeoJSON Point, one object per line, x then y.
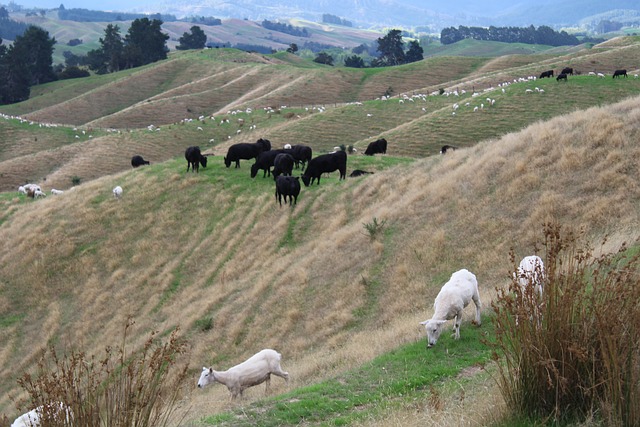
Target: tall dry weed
{"type": "Point", "coordinates": [573, 353]}
{"type": "Point", "coordinates": [116, 390]}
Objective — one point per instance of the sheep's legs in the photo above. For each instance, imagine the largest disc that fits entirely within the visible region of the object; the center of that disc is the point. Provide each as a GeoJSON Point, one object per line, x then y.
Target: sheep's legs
{"type": "Point", "coordinates": [456, 327]}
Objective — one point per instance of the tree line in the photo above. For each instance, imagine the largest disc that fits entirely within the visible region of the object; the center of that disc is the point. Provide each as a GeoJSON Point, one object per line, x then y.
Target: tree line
{"type": "Point", "coordinates": [529, 35]}
{"type": "Point", "coordinates": [28, 60]}
{"type": "Point", "coordinates": [87, 15]}
{"type": "Point", "coordinates": [286, 28]}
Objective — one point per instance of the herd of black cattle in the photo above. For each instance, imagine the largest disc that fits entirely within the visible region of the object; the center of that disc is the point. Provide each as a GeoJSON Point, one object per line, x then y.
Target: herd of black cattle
{"type": "Point", "coordinates": [280, 163]}
{"type": "Point", "coordinates": [568, 71]}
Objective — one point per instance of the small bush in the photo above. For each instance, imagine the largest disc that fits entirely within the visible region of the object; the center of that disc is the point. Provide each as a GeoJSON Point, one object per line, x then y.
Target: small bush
{"type": "Point", "coordinates": [120, 389]}
{"type": "Point", "coordinates": [375, 227]}
{"type": "Point", "coordinates": [574, 353]}
{"type": "Point", "coordinates": [75, 180]}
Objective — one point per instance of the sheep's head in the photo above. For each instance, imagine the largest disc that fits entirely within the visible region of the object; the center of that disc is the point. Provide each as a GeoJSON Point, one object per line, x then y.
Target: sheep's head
{"type": "Point", "coordinates": [206, 377]}
{"type": "Point", "coordinates": [434, 329]}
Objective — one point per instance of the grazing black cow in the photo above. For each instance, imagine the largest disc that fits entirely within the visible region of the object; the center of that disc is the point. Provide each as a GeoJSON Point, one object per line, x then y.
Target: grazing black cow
{"type": "Point", "coordinates": [618, 73]}
{"type": "Point", "coordinates": [265, 162]}
{"type": "Point", "coordinates": [446, 148]}
{"type": "Point", "coordinates": [358, 172]}
{"type": "Point", "coordinates": [243, 151]}
{"type": "Point", "coordinates": [195, 159]}
{"type": "Point", "coordinates": [562, 76]}
{"type": "Point", "coordinates": [567, 70]}
{"type": "Point", "coordinates": [287, 186]}
{"type": "Point", "coordinates": [283, 165]}
{"type": "Point", "coordinates": [378, 146]}
{"type": "Point", "coordinates": [548, 73]}
{"type": "Point", "coordinates": [302, 154]}
{"type": "Point", "coordinates": [325, 163]}
{"type": "Point", "coordinates": [138, 161]}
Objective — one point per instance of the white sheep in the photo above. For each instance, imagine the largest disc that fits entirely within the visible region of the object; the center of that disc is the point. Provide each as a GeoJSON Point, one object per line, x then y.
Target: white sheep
{"type": "Point", "coordinates": [530, 272]}
{"type": "Point", "coordinates": [56, 192]}
{"type": "Point", "coordinates": [454, 296]}
{"type": "Point", "coordinates": [253, 371]}
{"type": "Point", "coordinates": [117, 192]}
{"type": "Point", "coordinates": [39, 193]}
{"type": "Point", "coordinates": [33, 417]}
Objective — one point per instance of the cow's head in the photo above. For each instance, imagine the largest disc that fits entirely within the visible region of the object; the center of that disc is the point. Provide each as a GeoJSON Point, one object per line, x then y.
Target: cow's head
{"type": "Point", "coordinates": [306, 180]}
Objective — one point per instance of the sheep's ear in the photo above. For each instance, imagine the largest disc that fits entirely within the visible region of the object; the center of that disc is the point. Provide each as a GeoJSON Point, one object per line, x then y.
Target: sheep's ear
{"type": "Point", "coordinates": [440, 322]}
{"type": "Point", "coordinates": [204, 368]}
{"type": "Point", "coordinates": [424, 323]}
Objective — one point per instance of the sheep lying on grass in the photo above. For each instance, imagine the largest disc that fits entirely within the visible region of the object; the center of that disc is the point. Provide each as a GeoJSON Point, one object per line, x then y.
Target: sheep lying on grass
{"type": "Point", "coordinates": [454, 296]}
{"type": "Point", "coordinates": [253, 371]}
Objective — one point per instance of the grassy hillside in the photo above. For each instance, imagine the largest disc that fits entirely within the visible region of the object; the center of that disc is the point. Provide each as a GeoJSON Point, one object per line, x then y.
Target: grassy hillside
{"type": "Point", "coordinates": [214, 253]}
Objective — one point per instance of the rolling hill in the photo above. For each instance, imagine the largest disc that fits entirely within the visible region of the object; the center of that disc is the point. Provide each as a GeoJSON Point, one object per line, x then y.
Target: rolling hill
{"type": "Point", "coordinates": [214, 248]}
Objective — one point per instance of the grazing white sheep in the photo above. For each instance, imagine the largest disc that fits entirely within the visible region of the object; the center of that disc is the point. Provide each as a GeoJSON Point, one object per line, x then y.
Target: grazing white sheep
{"type": "Point", "coordinates": [56, 192]}
{"type": "Point", "coordinates": [39, 193]}
{"type": "Point", "coordinates": [531, 273]}
{"type": "Point", "coordinates": [253, 371]}
{"type": "Point", "coordinates": [454, 296]}
{"type": "Point", "coordinates": [117, 192]}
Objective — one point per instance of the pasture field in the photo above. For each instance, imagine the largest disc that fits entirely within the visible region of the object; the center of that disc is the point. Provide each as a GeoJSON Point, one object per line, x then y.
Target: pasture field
{"type": "Point", "coordinates": [214, 254]}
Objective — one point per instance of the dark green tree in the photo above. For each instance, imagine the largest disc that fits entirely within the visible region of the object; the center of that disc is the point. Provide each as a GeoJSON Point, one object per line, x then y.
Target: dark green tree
{"type": "Point", "coordinates": [391, 48]}
{"type": "Point", "coordinates": [324, 58]}
{"type": "Point", "coordinates": [354, 61]}
{"type": "Point", "coordinates": [145, 42]}
{"type": "Point", "coordinates": [194, 40]}
{"type": "Point", "coordinates": [4, 13]}
{"type": "Point", "coordinates": [414, 53]}
{"type": "Point", "coordinates": [293, 48]}
{"type": "Point", "coordinates": [35, 50]}
{"type": "Point", "coordinates": [14, 76]}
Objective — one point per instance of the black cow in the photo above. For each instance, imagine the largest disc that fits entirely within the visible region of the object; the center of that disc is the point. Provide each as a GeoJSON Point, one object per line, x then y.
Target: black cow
{"type": "Point", "coordinates": [195, 159]}
{"type": "Point", "coordinates": [358, 172]}
{"type": "Point", "coordinates": [446, 148]}
{"type": "Point", "coordinates": [548, 73]}
{"type": "Point", "coordinates": [562, 76]}
{"type": "Point", "coordinates": [302, 154]}
{"type": "Point", "coordinates": [138, 161]}
{"type": "Point", "coordinates": [266, 144]}
{"type": "Point", "coordinates": [265, 162]}
{"type": "Point", "coordinates": [618, 73]}
{"type": "Point", "coordinates": [283, 165]}
{"type": "Point", "coordinates": [378, 146]}
{"type": "Point", "coordinates": [287, 186]}
{"type": "Point", "coordinates": [243, 151]}
{"type": "Point", "coordinates": [325, 163]}
{"type": "Point", "coordinates": [567, 71]}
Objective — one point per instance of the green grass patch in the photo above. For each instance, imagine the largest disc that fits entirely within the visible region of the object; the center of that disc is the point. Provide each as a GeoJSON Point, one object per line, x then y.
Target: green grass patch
{"type": "Point", "coordinates": [403, 374]}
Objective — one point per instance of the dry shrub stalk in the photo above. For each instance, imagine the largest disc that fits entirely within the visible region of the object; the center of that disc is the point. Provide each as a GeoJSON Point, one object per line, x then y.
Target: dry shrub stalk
{"type": "Point", "coordinates": [120, 389]}
{"type": "Point", "coordinates": [573, 353]}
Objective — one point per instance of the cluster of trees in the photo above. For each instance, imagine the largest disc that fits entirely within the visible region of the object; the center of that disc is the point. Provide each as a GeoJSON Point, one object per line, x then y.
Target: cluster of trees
{"type": "Point", "coordinates": [87, 15]}
{"type": "Point", "coordinates": [206, 20]}
{"type": "Point", "coordinates": [530, 35]}
{"type": "Point", "coordinates": [25, 63]}
{"type": "Point", "coordinates": [391, 51]}
{"type": "Point", "coordinates": [144, 43]}
{"type": "Point", "coordinates": [9, 28]}
{"type": "Point", "coordinates": [196, 39]}
{"type": "Point", "coordinates": [336, 20]}
{"type": "Point", "coordinates": [286, 28]}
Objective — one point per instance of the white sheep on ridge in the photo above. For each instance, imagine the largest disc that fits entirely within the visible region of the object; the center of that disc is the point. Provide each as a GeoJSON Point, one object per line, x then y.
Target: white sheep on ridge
{"type": "Point", "coordinates": [530, 272]}
{"type": "Point", "coordinates": [454, 296]}
{"type": "Point", "coordinates": [253, 371]}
